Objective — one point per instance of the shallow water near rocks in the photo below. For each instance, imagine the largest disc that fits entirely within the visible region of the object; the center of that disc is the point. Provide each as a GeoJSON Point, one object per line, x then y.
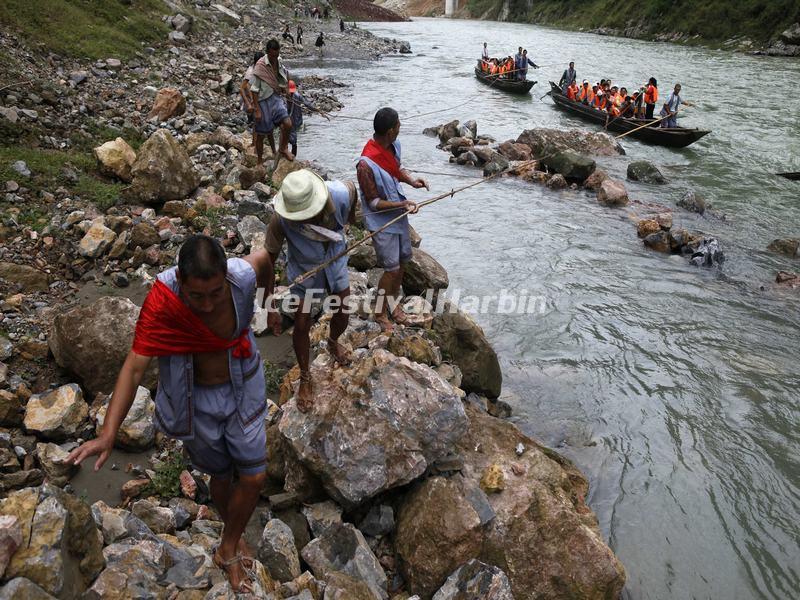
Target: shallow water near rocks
{"type": "Point", "coordinates": [673, 388]}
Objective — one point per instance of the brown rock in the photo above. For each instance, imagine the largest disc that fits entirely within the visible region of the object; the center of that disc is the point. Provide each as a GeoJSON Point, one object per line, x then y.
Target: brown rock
{"type": "Point", "coordinates": [595, 180]}
{"type": "Point", "coordinates": [612, 193]}
{"type": "Point", "coordinates": [175, 208]}
{"type": "Point", "coordinates": [659, 241]}
{"type": "Point", "coordinates": [144, 235]}
{"type": "Point", "coordinates": [12, 409]}
{"type": "Point", "coordinates": [285, 167]}
{"type": "Point", "coordinates": [188, 485]}
{"type": "Point", "coordinates": [169, 103]}
{"type": "Point", "coordinates": [10, 539]}
{"type": "Point", "coordinates": [493, 479]}
{"type": "Point", "coordinates": [57, 415]}
{"type": "Point", "coordinates": [647, 226]}
{"type": "Point", "coordinates": [787, 247]}
{"type": "Point", "coordinates": [557, 182]}
{"type": "Point", "coordinates": [665, 220]}
{"type": "Point", "coordinates": [30, 279]}
{"type": "Point", "coordinates": [423, 273]}
{"type": "Point", "coordinates": [514, 151]}
{"type": "Point", "coordinates": [133, 488]}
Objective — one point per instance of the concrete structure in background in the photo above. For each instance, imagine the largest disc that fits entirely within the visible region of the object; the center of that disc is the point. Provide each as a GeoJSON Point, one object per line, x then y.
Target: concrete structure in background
{"type": "Point", "coordinates": [450, 7]}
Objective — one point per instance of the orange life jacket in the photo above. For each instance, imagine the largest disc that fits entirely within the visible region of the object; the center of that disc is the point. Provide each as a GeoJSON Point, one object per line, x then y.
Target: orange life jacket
{"type": "Point", "coordinates": [600, 102]}
{"type": "Point", "coordinates": [586, 94]}
{"type": "Point", "coordinates": [614, 110]}
{"type": "Point", "coordinates": [572, 92]}
{"type": "Point", "coordinates": [651, 95]}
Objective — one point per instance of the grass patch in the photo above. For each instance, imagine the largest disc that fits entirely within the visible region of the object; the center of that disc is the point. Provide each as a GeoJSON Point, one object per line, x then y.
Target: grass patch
{"type": "Point", "coordinates": [52, 169]}
{"type": "Point", "coordinates": [274, 376]}
{"type": "Point", "coordinates": [167, 479]}
{"type": "Point", "coordinates": [713, 20]}
{"type": "Point", "coordinates": [87, 28]}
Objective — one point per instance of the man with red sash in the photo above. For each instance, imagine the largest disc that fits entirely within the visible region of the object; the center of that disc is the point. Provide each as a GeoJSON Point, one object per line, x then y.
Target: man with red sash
{"type": "Point", "coordinates": [379, 176]}
{"type": "Point", "coordinates": [211, 389]}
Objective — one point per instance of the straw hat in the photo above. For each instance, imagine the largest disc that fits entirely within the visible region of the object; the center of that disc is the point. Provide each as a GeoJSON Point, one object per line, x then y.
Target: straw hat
{"type": "Point", "coordinates": [303, 195]}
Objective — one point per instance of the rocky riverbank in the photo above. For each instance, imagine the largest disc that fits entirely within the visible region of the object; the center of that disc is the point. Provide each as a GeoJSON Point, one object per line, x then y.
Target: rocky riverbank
{"type": "Point", "coordinates": [428, 491]}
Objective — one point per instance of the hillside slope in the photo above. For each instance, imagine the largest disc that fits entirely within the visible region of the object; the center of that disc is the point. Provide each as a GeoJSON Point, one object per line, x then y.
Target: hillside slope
{"type": "Point", "coordinates": [706, 20]}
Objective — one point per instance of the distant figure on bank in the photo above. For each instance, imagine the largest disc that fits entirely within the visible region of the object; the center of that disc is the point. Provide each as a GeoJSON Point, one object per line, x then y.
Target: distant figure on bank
{"type": "Point", "coordinates": [299, 36]}
{"type": "Point", "coordinates": [671, 106]}
{"type": "Point", "coordinates": [568, 78]}
{"type": "Point", "coordinates": [320, 43]}
{"type": "Point", "coordinates": [341, 25]}
{"type": "Point", "coordinates": [650, 98]}
{"type": "Point", "coordinates": [485, 55]}
{"type": "Point", "coordinates": [523, 65]}
{"type": "Point", "coordinates": [295, 104]}
{"type": "Point", "coordinates": [268, 86]}
{"type": "Point", "coordinates": [286, 35]}
{"type": "Point", "coordinates": [311, 215]}
{"type": "Point", "coordinates": [247, 97]}
{"type": "Point", "coordinates": [379, 176]}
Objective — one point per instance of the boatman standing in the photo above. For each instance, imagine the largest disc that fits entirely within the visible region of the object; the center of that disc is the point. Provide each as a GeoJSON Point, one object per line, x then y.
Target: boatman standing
{"type": "Point", "coordinates": [379, 176]}
{"type": "Point", "coordinates": [568, 78]}
{"type": "Point", "coordinates": [211, 389]}
{"type": "Point", "coordinates": [311, 215]}
{"type": "Point", "coordinates": [671, 105]}
{"type": "Point", "coordinates": [485, 55]}
{"type": "Point", "coordinates": [523, 65]}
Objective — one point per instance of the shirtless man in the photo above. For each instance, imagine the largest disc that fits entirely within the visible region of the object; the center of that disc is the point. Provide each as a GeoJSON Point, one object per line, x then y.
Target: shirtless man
{"type": "Point", "coordinates": [211, 388]}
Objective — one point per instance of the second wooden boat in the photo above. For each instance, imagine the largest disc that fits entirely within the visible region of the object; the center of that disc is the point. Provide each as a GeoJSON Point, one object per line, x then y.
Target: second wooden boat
{"type": "Point", "coordinates": [514, 86]}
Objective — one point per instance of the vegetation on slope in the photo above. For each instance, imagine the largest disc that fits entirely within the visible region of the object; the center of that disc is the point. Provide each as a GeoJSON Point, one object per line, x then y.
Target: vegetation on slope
{"type": "Point", "coordinates": [712, 20]}
{"type": "Point", "coordinates": [86, 28]}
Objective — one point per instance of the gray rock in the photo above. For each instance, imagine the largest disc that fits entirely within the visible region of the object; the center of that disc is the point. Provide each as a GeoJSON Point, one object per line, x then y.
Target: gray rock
{"type": "Point", "coordinates": [792, 35]}
{"type": "Point", "coordinates": [6, 348]}
{"type": "Point", "coordinates": [137, 432]}
{"type": "Point", "coordinates": [463, 342]}
{"type": "Point", "coordinates": [9, 113]}
{"type": "Point", "coordinates": [378, 522]}
{"type": "Point", "coordinates": [159, 519]}
{"type": "Point", "coordinates": [52, 459]}
{"type": "Point", "coordinates": [181, 23]}
{"type": "Point", "coordinates": [476, 581]}
{"type": "Point", "coordinates": [57, 415]}
{"type": "Point", "coordinates": [423, 273]}
{"type": "Point", "coordinates": [78, 77]}
{"type": "Point", "coordinates": [111, 521]}
{"type": "Point", "coordinates": [93, 341]}
{"type": "Point", "coordinates": [21, 588]}
{"type": "Point", "coordinates": [693, 203]}
{"type": "Point", "coordinates": [21, 167]}
{"type": "Point", "coordinates": [162, 171]}
{"type": "Point", "coordinates": [277, 551]}
{"type": "Point", "coordinates": [322, 515]}
{"type": "Point", "coordinates": [343, 548]}
{"type": "Point", "coordinates": [573, 166]}
{"type": "Point", "coordinates": [96, 241]}
{"type": "Point", "coordinates": [177, 37]}
{"type": "Point", "coordinates": [405, 48]}
{"type": "Point", "coordinates": [252, 231]}
{"type": "Point", "coordinates": [645, 171]}
{"type": "Point", "coordinates": [545, 141]}
{"type": "Point", "coordinates": [658, 241]}
{"type": "Point", "coordinates": [29, 278]}
{"type": "Point", "coordinates": [399, 417]}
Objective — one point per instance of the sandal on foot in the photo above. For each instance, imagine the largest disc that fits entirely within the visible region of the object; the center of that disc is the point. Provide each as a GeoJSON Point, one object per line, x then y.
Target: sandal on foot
{"type": "Point", "coordinates": [246, 585]}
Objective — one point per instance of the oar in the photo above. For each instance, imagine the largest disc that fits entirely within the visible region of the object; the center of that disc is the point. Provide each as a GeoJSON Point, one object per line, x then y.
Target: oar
{"type": "Point", "coordinates": [619, 137]}
{"type": "Point", "coordinates": [547, 94]}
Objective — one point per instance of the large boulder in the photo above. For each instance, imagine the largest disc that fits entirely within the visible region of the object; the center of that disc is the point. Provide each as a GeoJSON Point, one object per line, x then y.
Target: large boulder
{"type": "Point", "coordinates": [440, 526]}
{"type": "Point", "coordinates": [57, 415]}
{"type": "Point", "coordinates": [573, 166]}
{"type": "Point", "coordinates": [448, 131]}
{"type": "Point", "coordinates": [93, 341]}
{"type": "Point", "coordinates": [62, 549]}
{"type": "Point", "coordinates": [343, 548]}
{"type": "Point", "coordinates": [423, 273]}
{"type": "Point", "coordinates": [284, 168]}
{"type": "Point", "coordinates": [169, 103]}
{"type": "Point", "coordinates": [612, 193]}
{"type": "Point", "coordinates": [645, 171]}
{"type": "Point", "coordinates": [277, 551]}
{"type": "Point", "coordinates": [544, 536]}
{"type": "Point", "coordinates": [116, 158]}
{"type": "Point", "coordinates": [545, 141]}
{"type": "Point", "coordinates": [391, 419]}
{"type": "Point", "coordinates": [513, 151]}
{"type": "Point", "coordinates": [137, 432]}
{"type": "Point", "coordinates": [22, 588]}
{"type": "Point", "coordinates": [476, 581]}
{"type": "Point", "coordinates": [97, 240]}
{"type": "Point", "coordinates": [163, 171]}
{"type": "Point", "coordinates": [463, 342]}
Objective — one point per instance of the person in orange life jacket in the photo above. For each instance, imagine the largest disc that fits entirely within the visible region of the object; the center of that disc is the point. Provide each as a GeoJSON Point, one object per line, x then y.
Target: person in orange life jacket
{"type": "Point", "coordinates": [211, 389]}
{"type": "Point", "coordinates": [572, 91]}
{"type": "Point", "coordinates": [651, 98]}
{"type": "Point", "coordinates": [599, 99]}
{"type": "Point", "coordinates": [379, 176]}
{"type": "Point", "coordinates": [586, 94]}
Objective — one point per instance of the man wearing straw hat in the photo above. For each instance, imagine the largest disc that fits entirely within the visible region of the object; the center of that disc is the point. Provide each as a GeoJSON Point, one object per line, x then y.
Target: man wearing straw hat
{"type": "Point", "coordinates": [310, 215]}
{"type": "Point", "coordinates": [384, 207]}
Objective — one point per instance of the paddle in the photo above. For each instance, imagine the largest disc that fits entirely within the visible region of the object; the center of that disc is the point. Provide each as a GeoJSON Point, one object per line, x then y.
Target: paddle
{"type": "Point", "coordinates": [619, 137]}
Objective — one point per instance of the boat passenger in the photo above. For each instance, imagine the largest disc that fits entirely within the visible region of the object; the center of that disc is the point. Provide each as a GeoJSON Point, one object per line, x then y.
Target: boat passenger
{"type": "Point", "coordinates": [572, 91]}
{"type": "Point", "coordinates": [651, 97]}
{"type": "Point", "coordinates": [586, 95]}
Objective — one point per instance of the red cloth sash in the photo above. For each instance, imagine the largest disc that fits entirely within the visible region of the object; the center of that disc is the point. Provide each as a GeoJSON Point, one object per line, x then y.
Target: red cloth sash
{"type": "Point", "coordinates": [383, 157]}
{"type": "Point", "coordinates": [166, 326]}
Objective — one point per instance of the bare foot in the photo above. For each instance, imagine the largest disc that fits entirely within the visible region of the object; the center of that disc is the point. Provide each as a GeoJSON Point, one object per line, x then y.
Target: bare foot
{"type": "Point", "coordinates": [245, 553]}
{"type": "Point", "coordinates": [340, 354]}
{"type": "Point", "coordinates": [287, 154]}
{"type": "Point", "coordinates": [237, 577]}
{"type": "Point", "coordinates": [386, 324]}
{"type": "Point", "coordinates": [305, 393]}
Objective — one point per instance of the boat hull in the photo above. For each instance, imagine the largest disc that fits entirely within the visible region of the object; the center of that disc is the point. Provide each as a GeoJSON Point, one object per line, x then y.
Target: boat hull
{"type": "Point", "coordinates": [511, 86]}
{"type": "Point", "coordinates": [672, 137]}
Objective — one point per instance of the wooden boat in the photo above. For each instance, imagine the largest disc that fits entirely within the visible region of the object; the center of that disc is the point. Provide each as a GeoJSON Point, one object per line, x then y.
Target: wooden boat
{"type": "Point", "coordinates": [792, 176]}
{"type": "Point", "coordinates": [673, 137]}
{"type": "Point", "coordinates": [513, 86]}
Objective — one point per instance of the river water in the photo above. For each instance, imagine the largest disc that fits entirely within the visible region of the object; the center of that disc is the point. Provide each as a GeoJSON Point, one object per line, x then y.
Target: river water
{"type": "Point", "coordinates": [674, 389]}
